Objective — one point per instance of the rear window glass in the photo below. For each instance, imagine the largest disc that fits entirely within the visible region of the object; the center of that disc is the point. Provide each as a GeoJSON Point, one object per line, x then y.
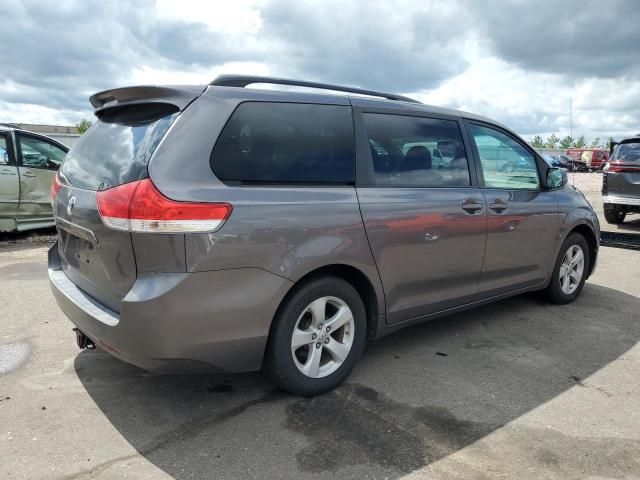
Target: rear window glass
{"type": "Point", "coordinates": [286, 143]}
{"type": "Point", "coordinates": [118, 147]}
{"type": "Point", "coordinates": [626, 152]}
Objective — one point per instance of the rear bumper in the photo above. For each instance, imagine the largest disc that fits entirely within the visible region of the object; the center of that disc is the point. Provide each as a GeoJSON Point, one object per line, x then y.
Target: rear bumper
{"type": "Point", "coordinates": [180, 322]}
{"type": "Point", "coordinates": [616, 200]}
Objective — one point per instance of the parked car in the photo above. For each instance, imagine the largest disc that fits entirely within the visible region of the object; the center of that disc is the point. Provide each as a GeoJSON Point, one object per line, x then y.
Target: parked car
{"type": "Point", "coordinates": [231, 229]}
{"type": "Point", "coordinates": [28, 163]}
{"type": "Point", "coordinates": [621, 181]}
{"type": "Point", "coordinates": [591, 158]}
{"type": "Point", "coordinates": [571, 164]}
{"type": "Point", "coordinates": [556, 161]}
{"type": "Point", "coordinates": [517, 165]}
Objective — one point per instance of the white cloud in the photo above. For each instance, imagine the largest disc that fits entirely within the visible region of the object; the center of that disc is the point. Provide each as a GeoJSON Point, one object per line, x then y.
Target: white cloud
{"type": "Point", "coordinates": [237, 16]}
{"type": "Point", "coordinates": [539, 103]}
{"type": "Point", "coordinates": [494, 61]}
{"type": "Point", "coordinates": [148, 75]}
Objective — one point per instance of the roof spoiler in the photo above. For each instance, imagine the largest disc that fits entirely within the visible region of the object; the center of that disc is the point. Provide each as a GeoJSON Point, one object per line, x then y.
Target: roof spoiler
{"type": "Point", "coordinates": [180, 96]}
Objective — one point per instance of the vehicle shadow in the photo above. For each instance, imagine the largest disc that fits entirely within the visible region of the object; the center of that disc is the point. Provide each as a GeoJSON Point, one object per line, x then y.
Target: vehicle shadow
{"type": "Point", "coordinates": [415, 397]}
{"type": "Point", "coordinates": [632, 223]}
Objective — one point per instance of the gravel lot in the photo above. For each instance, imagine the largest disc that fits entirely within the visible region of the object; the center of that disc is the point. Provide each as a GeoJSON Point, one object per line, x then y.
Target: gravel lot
{"type": "Point", "coordinates": [589, 183]}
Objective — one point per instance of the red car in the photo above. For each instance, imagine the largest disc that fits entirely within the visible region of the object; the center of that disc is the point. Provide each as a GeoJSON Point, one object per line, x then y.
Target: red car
{"type": "Point", "coordinates": [593, 158]}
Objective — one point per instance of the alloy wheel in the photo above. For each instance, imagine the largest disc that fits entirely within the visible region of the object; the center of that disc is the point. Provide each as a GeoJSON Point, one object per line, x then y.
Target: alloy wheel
{"type": "Point", "coordinates": [322, 337]}
{"type": "Point", "coordinates": [571, 269]}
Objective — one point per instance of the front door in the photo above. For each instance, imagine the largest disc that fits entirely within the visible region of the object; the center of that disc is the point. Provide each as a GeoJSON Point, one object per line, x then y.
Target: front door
{"type": "Point", "coordinates": [523, 219]}
{"type": "Point", "coordinates": [38, 161]}
{"type": "Point", "coordinates": [9, 185]}
{"type": "Point", "coordinates": [425, 221]}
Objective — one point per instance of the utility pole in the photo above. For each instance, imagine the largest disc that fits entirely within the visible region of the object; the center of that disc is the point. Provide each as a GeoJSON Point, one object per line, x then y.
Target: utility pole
{"type": "Point", "coordinates": [570, 119]}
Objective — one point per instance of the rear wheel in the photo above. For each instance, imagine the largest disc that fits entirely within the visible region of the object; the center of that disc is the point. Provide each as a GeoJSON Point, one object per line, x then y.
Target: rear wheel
{"type": "Point", "coordinates": [570, 271]}
{"type": "Point", "coordinates": [614, 214]}
{"type": "Point", "coordinates": [317, 337]}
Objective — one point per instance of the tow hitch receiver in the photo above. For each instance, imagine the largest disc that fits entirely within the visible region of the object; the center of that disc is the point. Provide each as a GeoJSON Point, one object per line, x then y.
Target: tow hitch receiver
{"type": "Point", "coordinates": [83, 341]}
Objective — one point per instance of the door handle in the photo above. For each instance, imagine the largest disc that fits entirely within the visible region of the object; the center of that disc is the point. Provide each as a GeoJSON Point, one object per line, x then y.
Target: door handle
{"type": "Point", "coordinates": [498, 205]}
{"type": "Point", "coordinates": [471, 205]}
{"type": "Point", "coordinates": [28, 175]}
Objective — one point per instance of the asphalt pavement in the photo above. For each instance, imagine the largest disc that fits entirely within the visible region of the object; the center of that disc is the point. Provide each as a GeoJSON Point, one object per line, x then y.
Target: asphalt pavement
{"type": "Point", "coordinates": [517, 389]}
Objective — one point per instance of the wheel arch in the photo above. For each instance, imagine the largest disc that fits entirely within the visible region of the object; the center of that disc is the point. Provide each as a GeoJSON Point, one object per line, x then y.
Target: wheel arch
{"type": "Point", "coordinates": [593, 242]}
{"type": "Point", "coordinates": [356, 278]}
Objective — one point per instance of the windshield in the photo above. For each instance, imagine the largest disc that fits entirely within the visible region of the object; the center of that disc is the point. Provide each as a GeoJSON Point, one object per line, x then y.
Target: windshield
{"type": "Point", "coordinates": [626, 152]}
{"type": "Point", "coordinates": [115, 150]}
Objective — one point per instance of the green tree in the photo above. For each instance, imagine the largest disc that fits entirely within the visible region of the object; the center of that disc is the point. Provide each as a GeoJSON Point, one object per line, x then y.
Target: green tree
{"type": "Point", "coordinates": [552, 141]}
{"type": "Point", "coordinates": [537, 142]}
{"type": "Point", "coordinates": [595, 143]}
{"type": "Point", "coordinates": [581, 142]}
{"type": "Point", "coordinates": [566, 142]}
{"type": "Point", "coordinates": [83, 126]}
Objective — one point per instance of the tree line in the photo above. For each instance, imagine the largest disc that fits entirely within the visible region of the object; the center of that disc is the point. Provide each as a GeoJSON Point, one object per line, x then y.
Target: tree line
{"type": "Point", "coordinates": [569, 142]}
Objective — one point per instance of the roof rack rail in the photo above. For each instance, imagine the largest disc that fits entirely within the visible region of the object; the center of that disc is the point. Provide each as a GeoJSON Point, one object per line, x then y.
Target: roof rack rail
{"type": "Point", "coordinates": [244, 80]}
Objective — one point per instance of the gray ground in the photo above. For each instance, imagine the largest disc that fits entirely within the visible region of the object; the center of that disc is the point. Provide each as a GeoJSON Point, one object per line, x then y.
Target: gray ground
{"type": "Point", "coordinates": [518, 389]}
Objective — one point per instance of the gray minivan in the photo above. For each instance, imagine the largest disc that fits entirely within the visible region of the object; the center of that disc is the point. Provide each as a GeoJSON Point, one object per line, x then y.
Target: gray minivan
{"type": "Point", "coordinates": [223, 228]}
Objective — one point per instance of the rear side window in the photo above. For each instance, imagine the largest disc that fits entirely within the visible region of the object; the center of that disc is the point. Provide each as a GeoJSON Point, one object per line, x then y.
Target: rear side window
{"type": "Point", "coordinates": [416, 151]}
{"type": "Point", "coordinates": [118, 147]}
{"type": "Point", "coordinates": [269, 142]}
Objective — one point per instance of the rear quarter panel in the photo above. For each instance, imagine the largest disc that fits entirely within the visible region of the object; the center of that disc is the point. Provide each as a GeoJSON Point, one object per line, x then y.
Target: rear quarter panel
{"type": "Point", "coordinates": [287, 231]}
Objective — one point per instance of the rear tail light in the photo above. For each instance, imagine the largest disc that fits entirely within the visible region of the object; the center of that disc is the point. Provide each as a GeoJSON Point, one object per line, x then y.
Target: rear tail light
{"type": "Point", "coordinates": [616, 167]}
{"type": "Point", "coordinates": [140, 207]}
{"type": "Point", "coordinates": [55, 186]}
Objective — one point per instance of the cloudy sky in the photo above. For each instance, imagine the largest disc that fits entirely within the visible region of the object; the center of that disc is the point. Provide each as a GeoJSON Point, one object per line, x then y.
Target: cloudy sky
{"type": "Point", "coordinates": [518, 62]}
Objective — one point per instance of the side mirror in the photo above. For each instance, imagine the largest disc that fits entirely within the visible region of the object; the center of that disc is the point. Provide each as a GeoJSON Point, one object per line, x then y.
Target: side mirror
{"type": "Point", "coordinates": [556, 178]}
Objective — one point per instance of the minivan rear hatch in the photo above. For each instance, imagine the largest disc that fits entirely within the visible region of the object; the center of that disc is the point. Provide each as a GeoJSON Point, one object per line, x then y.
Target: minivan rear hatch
{"type": "Point", "coordinates": [116, 150]}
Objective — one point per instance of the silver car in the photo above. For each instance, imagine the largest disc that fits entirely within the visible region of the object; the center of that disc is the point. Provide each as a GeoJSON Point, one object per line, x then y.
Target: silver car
{"type": "Point", "coordinates": [28, 164]}
{"type": "Point", "coordinates": [223, 228]}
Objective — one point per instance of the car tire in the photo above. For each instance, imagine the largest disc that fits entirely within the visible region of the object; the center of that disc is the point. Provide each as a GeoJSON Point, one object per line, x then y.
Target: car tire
{"type": "Point", "coordinates": [324, 356]}
{"type": "Point", "coordinates": [614, 214]}
{"type": "Point", "coordinates": [569, 274]}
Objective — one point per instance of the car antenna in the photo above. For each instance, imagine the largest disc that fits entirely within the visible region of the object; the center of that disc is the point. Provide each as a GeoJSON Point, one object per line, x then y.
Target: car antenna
{"type": "Point", "coordinates": [573, 174]}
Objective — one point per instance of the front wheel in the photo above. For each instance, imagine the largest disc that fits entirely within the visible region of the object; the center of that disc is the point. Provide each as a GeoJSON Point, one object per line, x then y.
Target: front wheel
{"type": "Point", "coordinates": [570, 271]}
{"type": "Point", "coordinates": [317, 336]}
